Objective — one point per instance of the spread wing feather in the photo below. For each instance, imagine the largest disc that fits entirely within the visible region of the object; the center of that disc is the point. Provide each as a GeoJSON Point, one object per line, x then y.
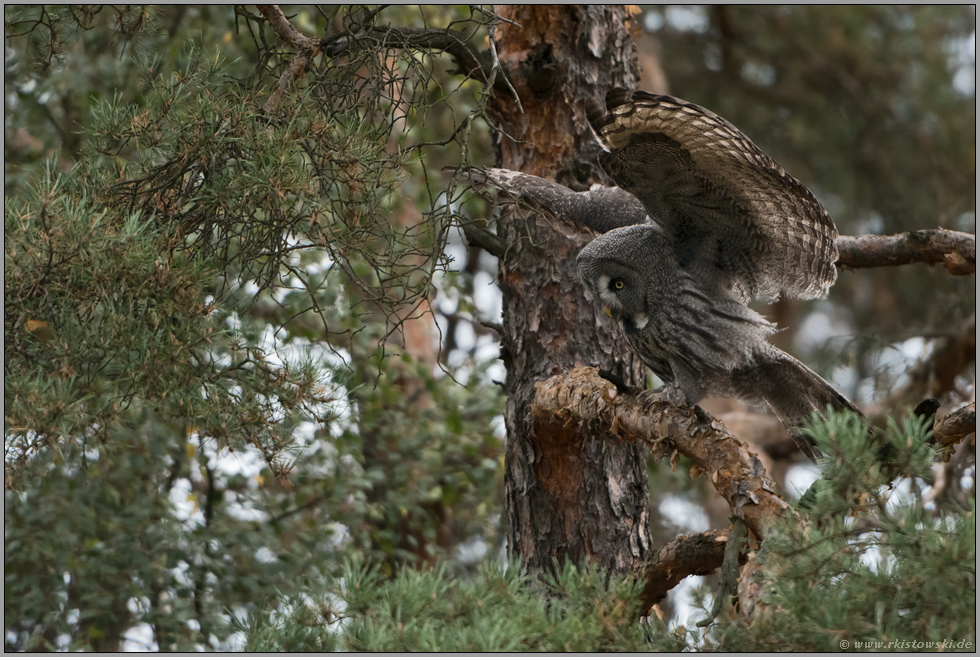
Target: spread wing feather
{"type": "Point", "coordinates": [601, 208]}
{"type": "Point", "coordinates": [728, 206]}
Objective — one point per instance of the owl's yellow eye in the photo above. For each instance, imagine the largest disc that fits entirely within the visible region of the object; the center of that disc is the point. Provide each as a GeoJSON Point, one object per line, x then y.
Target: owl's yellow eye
{"type": "Point", "coordinates": [618, 284]}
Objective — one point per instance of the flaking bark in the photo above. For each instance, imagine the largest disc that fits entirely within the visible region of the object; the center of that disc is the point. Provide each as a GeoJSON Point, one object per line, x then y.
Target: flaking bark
{"type": "Point", "coordinates": [581, 402]}
{"type": "Point", "coordinates": [696, 554]}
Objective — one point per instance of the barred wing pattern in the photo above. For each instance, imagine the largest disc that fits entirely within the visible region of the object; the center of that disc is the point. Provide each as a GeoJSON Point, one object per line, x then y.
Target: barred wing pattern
{"type": "Point", "coordinates": [601, 208]}
{"type": "Point", "coordinates": [735, 216]}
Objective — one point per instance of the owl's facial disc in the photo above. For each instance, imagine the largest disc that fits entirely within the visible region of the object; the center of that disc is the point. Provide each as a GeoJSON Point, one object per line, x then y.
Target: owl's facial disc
{"type": "Point", "coordinates": [609, 291]}
{"type": "Point", "coordinates": [607, 298]}
{"type": "Point", "coordinates": [616, 299]}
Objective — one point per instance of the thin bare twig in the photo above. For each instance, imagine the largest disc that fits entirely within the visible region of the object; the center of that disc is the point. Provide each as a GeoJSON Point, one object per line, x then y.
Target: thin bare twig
{"type": "Point", "coordinates": [308, 49]}
{"type": "Point", "coordinates": [490, 14]}
{"type": "Point", "coordinates": [295, 69]}
{"type": "Point", "coordinates": [495, 67]}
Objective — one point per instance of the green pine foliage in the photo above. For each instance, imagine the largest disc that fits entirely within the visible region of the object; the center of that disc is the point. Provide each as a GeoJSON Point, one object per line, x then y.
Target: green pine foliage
{"type": "Point", "coordinates": [872, 562]}
{"type": "Point", "coordinates": [496, 609]}
{"type": "Point", "coordinates": [195, 317]}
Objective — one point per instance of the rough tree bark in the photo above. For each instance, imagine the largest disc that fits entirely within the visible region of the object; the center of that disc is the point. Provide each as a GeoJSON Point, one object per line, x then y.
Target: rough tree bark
{"type": "Point", "coordinates": [570, 494]}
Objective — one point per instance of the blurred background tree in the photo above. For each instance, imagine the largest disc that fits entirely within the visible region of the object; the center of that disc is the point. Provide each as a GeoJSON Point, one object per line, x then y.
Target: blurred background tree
{"type": "Point", "coordinates": [245, 340]}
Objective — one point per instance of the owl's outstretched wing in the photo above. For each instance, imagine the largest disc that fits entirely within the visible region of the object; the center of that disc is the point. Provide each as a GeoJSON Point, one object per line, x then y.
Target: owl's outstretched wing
{"type": "Point", "coordinates": [733, 213]}
{"type": "Point", "coordinates": [601, 208]}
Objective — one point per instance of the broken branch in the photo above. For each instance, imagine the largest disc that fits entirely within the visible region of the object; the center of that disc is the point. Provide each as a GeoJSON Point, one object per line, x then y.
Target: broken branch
{"type": "Point", "coordinates": [956, 426]}
{"type": "Point", "coordinates": [698, 554]}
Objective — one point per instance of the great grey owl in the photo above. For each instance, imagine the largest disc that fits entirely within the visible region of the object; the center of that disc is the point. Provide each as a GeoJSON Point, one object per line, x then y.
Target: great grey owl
{"type": "Point", "coordinates": [702, 221]}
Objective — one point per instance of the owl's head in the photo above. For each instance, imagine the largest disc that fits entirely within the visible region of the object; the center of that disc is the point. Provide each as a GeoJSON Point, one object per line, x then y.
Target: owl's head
{"type": "Point", "coordinates": [621, 268]}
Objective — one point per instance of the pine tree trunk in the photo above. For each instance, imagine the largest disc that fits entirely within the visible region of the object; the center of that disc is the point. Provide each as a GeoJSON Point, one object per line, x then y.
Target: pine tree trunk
{"type": "Point", "coordinates": [569, 492]}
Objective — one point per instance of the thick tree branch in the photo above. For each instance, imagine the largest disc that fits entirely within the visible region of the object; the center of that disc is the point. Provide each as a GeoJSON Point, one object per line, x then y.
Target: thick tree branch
{"type": "Point", "coordinates": [470, 61]}
{"type": "Point", "coordinates": [955, 250]}
{"type": "Point", "coordinates": [582, 404]}
{"type": "Point", "coordinates": [698, 554]}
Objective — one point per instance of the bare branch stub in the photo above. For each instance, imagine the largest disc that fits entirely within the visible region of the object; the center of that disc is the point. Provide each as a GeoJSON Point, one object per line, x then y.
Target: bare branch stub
{"type": "Point", "coordinates": [583, 405]}
{"type": "Point", "coordinates": [956, 426]}
{"type": "Point", "coordinates": [696, 554]}
{"type": "Point", "coordinates": [484, 239]}
{"type": "Point", "coordinates": [954, 250]}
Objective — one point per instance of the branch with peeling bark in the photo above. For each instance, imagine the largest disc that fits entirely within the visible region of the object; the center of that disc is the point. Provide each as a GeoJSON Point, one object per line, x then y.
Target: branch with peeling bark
{"type": "Point", "coordinates": [583, 403]}
{"type": "Point", "coordinates": [954, 250]}
{"type": "Point", "coordinates": [956, 426]}
{"type": "Point", "coordinates": [698, 554]}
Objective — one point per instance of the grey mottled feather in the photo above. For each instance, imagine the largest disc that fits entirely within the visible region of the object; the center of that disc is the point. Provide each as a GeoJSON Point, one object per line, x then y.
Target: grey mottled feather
{"type": "Point", "coordinates": [731, 211]}
{"type": "Point", "coordinates": [600, 208]}
{"type": "Point", "coordinates": [791, 389]}
{"type": "Point", "coordinates": [699, 339]}
{"type": "Point", "coordinates": [728, 225]}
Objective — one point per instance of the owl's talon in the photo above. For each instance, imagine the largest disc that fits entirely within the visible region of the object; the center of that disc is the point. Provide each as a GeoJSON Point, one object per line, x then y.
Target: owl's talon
{"type": "Point", "coordinates": [615, 379]}
{"type": "Point", "coordinates": [702, 415]}
{"type": "Point", "coordinates": [672, 395]}
{"type": "Point", "coordinates": [677, 397]}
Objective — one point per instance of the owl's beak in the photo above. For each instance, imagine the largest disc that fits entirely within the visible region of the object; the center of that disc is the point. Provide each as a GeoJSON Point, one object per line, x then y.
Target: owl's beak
{"type": "Point", "coordinates": [608, 312]}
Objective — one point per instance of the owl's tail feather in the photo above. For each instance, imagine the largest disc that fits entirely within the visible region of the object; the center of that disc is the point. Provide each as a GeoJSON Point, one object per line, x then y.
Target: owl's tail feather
{"type": "Point", "coordinates": [795, 392]}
